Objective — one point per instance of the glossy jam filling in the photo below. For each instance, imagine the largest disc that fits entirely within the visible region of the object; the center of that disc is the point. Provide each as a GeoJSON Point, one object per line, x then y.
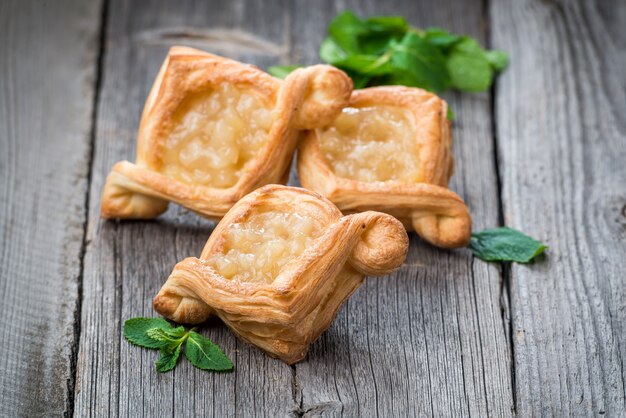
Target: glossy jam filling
{"type": "Point", "coordinates": [216, 133]}
{"type": "Point", "coordinates": [257, 249]}
{"type": "Point", "coordinates": [372, 144]}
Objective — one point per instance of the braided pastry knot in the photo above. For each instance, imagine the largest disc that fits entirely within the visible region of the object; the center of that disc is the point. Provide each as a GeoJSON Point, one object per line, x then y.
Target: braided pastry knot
{"type": "Point", "coordinates": [284, 311]}
{"type": "Point", "coordinates": [214, 129]}
{"type": "Point", "coordinates": [390, 151]}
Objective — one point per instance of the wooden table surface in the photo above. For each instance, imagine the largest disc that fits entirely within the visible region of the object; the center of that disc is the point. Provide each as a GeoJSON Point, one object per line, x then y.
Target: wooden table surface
{"type": "Point", "coordinates": [446, 335]}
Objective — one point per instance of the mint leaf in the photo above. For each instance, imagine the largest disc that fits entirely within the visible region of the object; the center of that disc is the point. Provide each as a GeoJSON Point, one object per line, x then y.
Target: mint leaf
{"type": "Point", "coordinates": [468, 67]}
{"type": "Point", "coordinates": [387, 25]}
{"type": "Point", "coordinates": [331, 52]}
{"type": "Point", "coordinates": [206, 355]}
{"type": "Point", "coordinates": [498, 59]}
{"type": "Point", "coordinates": [367, 64]}
{"type": "Point", "coordinates": [345, 29]}
{"type": "Point", "coordinates": [136, 331]}
{"type": "Point", "coordinates": [422, 64]}
{"type": "Point", "coordinates": [380, 31]}
{"type": "Point", "coordinates": [282, 71]}
{"type": "Point", "coordinates": [441, 37]}
{"type": "Point", "coordinates": [168, 338]}
{"type": "Point", "coordinates": [169, 358]}
{"type": "Point", "coordinates": [161, 334]}
{"type": "Point", "coordinates": [505, 244]}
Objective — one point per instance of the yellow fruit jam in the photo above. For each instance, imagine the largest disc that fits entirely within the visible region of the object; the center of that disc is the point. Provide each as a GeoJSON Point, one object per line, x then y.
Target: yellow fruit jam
{"type": "Point", "coordinates": [216, 133]}
{"type": "Point", "coordinates": [256, 249]}
{"type": "Point", "coordinates": [372, 144]}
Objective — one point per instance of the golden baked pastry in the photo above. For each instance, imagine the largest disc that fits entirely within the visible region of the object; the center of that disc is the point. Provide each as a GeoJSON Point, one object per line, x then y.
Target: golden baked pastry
{"type": "Point", "coordinates": [279, 265]}
{"type": "Point", "coordinates": [214, 129]}
{"type": "Point", "coordinates": [389, 151]}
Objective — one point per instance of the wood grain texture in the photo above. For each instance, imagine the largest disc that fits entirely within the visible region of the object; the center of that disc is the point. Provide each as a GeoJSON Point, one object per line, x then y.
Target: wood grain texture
{"type": "Point", "coordinates": [561, 118]}
{"type": "Point", "coordinates": [126, 263]}
{"type": "Point", "coordinates": [431, 339]}
{"type": "Point", "coordinates": [48, 55]}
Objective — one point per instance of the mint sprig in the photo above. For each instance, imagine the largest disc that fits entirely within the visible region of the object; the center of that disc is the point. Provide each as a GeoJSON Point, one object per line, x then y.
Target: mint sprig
{"type": "Point", "coordinates": [157, 333]}
{"type": "Point", "coordinates": [505, 244]}
{"type": "Point", "coordinates": [385, 50]}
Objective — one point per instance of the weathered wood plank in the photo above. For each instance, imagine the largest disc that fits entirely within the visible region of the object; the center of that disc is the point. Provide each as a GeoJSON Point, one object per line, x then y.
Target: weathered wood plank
{"type": "Point", "coordinates": [126, 263]}
{"type": "Point", "coordinates": [48, 59]}
{"type": "Point", "coordinates": [432, 338]}
{"type": "Point", "coordinates": [561, 110]}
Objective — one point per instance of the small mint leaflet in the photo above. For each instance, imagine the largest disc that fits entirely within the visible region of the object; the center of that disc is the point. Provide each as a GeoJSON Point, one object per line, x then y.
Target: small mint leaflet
{"type": "Point", "coordinates": [169, 339]}
{"type": "Point", "coordinates": [498, 59]}
{"type": "Point", "coordinates": [206, 355]}
{"type": "Point", "coordinates": [169, 359]}
{"type": "Point", "coordinates": [167, 335]}
{"type": "Point", "coordinates": [136, 331]}
{"type": "Point", "coordinates": [468, 66]}
{"type": "Point", "coordinates": [505, 244]}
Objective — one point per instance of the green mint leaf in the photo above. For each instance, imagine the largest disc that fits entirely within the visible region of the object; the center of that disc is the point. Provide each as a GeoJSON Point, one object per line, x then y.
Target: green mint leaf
{"type": "Point", "coordinates": [206, 355]}
{"type": "Point", "coordinates": [380, 31]}
{"type": "Point", "coordinates": [498, 59]}
{"type": "Point", "coordinates": [172, 335]}
{"type": "Point", "coordinates": [169, 358]}
{"type": "Point", "coordinates": [367, 64]}
{"type": "Point", "coordinates": [330, 52]}
{"type": "Point", "coordinates": [441, 38]}
{"type": "Point", "coordinates": [505, 244]}
{"type": "Point", "coordinates": [421, 64]}
{"type": "Point", "coordinates": [468, 67]}
{"type": "Point", "coordinates": [345, 29]}
{"type": "Point", "coordinates": [282, 71]}
{"type": "Point", "coordinates": [136, 331]}
{"type": "Point", "coordinates": [388, 25]}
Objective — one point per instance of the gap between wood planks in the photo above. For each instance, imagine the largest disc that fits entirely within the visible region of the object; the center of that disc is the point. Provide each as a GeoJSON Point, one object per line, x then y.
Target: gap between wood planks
{"type": "Point", "coordinates": [71, 381]}
{"type": "Point", "coordinates": [505, 267]}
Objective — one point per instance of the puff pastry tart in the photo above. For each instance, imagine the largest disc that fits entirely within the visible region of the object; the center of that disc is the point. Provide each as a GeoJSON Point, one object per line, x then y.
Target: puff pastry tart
{"type": "Point", "coordinates": [390, 151]}
{"type": "Point", "coordinates": [279, 265]}
{"type": "Point", "coordinates": [214, 129]}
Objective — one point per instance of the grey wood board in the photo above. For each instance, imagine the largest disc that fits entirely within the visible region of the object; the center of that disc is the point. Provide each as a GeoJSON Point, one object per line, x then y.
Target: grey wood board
{"type": "Point", "coordinates": [432, 338]}
{"type": "Point", "coordinates": [48, 56]}
{"type": "Point", "coordinates": [127, 262]}
{"type": "Point", "coordinates": [561, 130]}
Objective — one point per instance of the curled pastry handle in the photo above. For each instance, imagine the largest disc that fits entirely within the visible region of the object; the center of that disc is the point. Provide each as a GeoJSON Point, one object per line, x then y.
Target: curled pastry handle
{"type": "Point", "coordinates": [135, 192]}
{"type": "Point", "coordinates": [315, 94]}
{"type": "Point", "coordinates": [119, 200]}
{"type": "Point", "coordinates": [447, 226]}
{"type": "Point", "coordinates": [437, 214]}
{"type": "Point", "coordinates": [382, 243]}
{"type": "Point", "coordinates": [178, 301]}
{"type": "Point", "coordinates": [194, 290]}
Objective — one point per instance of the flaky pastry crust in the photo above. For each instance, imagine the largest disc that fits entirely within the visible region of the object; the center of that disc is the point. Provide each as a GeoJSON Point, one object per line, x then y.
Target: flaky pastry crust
{"type": "Point", "coordinates": [437, 214]}
{"type": "Point", "coordinates": [284, 316]}
{"type": "Point", "coordinates": [308, 98]}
